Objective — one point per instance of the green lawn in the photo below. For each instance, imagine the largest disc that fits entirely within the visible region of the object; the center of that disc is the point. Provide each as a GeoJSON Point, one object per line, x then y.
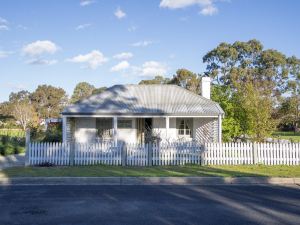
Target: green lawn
{"type": "Point", "coordinates": [288, 135]}
{"type": "Point", "coordinates": [159, 171]}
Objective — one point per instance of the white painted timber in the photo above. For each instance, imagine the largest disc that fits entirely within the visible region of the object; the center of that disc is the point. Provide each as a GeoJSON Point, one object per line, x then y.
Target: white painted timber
{"type": "Point", "coordinates": [115, 130]}
{"type": "Point", "coordinates": [167, 127]}
{"type": "Point", "coordinates": [64, 129]}
{"type": "Point", "coordinates": [205, 129]}
{"type": "Point", "coordinates": [251, 153]}
{"type": "Point", "coordinates": [85, 130]}
{"type": "Point", "coordinates": [53, 153]}
{"type": "Point", "coordinates": [125, 134]}
{"type": "Point", "coordinates": [220, 128]}
{"type": "Point", "coordinates": [205, 87]}
{"type": "Point", "coordinates": [168, 153]}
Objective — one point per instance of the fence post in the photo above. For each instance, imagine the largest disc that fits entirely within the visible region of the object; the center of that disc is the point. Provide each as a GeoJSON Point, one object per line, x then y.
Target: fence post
{"type": "Point", "coordinates": [27, 149]}
{"type": "Point", "coordinates": [72, 152]}
{"type": "Point", "coordinates": [254, 152]}
{"type": "Point", "coordinates": [202, 150]}
{"type": "Point", "coordinates": [123, 153]}
{"type": "Point", "coordinates": [150, 153]}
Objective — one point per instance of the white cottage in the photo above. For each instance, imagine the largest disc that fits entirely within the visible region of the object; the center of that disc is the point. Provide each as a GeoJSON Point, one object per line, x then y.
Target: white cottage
{"type": "Point", "coordinates": [141, 113]}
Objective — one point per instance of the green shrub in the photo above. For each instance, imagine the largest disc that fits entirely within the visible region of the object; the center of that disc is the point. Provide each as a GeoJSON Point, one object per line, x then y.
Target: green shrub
{"type": "Point", "coordinates": [11, 145]}
{"type": "Point", "coordinates": [4, 140]}
{"type": "Point", "coordinates": [7, 149]}
{"type": "Point", "coordinates": [2, 149]}
{"type": "Point", "coordinates": [19, 149]}
{"type": "Point", "coordinates": [52, 134]}
{"type": "Point", "coordinates": [37, 134]}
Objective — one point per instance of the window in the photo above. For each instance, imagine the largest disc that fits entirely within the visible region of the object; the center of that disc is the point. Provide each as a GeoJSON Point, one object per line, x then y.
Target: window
{"type": "Point", "coordinates": [184, 127]}
{"type": "Point", "coordinates": [124, 123]}
{"type": "Point", "coordinates": [104, 128]}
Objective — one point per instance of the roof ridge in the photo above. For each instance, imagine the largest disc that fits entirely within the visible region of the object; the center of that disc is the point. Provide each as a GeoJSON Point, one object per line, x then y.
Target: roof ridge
{"type": "Point", "coordinates": [149, 85]}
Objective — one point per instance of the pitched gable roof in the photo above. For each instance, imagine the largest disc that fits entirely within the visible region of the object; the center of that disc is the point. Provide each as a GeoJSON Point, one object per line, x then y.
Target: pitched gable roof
{"type": "Point", "coordinates": [145, 100]}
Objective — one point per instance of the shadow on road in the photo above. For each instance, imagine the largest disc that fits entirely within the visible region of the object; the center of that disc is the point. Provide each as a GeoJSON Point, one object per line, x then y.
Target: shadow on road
{"type": "Point", "coordinates": [150, 205]}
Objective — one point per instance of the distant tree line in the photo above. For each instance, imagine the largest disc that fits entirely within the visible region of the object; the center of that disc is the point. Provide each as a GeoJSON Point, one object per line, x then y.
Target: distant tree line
{"type": "Point", "coordinates": [257, 88]}
{"type": "Point", "coordinates": [28, 109]}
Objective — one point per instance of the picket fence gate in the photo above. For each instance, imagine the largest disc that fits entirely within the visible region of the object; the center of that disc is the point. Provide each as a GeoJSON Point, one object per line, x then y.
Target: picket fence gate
{"type": "Point", "coordinates": [176, 153]}
{"type": "Point", "coordinates": [160, 154]}
{"type": "Point", "coordinates": [97, 153]}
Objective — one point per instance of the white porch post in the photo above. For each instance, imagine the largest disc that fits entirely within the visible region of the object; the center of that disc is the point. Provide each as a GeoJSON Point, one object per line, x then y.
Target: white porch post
{"type": "Point", "coordinates": [64, 129]}
{"type": "Point", "coordinates": [115, 131]}
{"type": "Point", "coordinates": [167, 127]}
{"type": "Point", "coordinates": [220, 128]}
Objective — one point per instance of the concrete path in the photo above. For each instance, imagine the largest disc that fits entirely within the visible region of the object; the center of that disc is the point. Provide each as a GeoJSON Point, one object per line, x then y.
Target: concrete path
{"type": "Point", "coordinates": [143, 205]}
{"type": "Point", "coordinates": [12, 161]}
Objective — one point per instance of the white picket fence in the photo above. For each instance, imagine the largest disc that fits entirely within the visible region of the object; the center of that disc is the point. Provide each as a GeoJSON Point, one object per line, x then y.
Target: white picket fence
{"type": "Point", "coordinates": [137, 154]}
{"type": "Point", "coordinates": [54, 153]}
{"type": "Point", "coordinates": [251, 153]}
{"type": "Point", "coordinates": [97, 153]}
{"type": "Point", "coordinates": [176, 153]}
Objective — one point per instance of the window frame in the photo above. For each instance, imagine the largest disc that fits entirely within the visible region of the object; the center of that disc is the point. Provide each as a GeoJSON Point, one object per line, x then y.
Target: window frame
{"type": "Point", "coordinates": [104, 128]}
{"type": "Point", "coordinates": [186, 131]}
{"type": "Point", "coordinates": [123, 124]}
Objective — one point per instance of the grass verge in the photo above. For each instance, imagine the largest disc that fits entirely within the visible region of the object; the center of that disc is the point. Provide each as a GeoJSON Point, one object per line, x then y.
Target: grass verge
{"type": "Point", "coordinates": [155, 171]}
{"type": "Point", "coordinates": [287, 135]}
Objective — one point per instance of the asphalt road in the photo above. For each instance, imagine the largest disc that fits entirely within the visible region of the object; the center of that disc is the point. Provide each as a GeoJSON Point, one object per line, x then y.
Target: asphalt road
{"type": "Point", "coordinates": [84, 205]}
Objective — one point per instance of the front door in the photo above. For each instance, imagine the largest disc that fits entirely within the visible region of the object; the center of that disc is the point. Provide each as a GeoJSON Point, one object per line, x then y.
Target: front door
{"type": "Point", "coordinates": [144, 130]}
{"type": "Point", "coordinates": [148, 130]}
{"type": "Point", "coordinates": [140, 130]}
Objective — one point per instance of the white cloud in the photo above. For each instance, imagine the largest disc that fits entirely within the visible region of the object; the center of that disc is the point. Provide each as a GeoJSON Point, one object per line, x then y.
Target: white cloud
{"type": "Point", "coordinates": [119, 13]}
{"type": "Point", "coordinates": [172, 56]}
{"type": "Point", "coordinates": [120, 66]}
{"type": "Point", "coordinates": [209, 10]}
{"type": "Point", "coordinates": [17, 87]}
{"type": "Point", "coordinates": [42, 62]}
{"type": "Point", "coordinates": [3, 21]}
{"type": "Point", "coordinates": [22, 27]}
{"type": "Point", "coordinates": [132, 28]}
{"type": "Point", "coordinates": [4, 27]}
{"type": "Point", "coordinates": [142, 43]}
{"type": "Point", "coordinates": [123, 55]}
{"type": "Point", "coordinates": [152, 68]}
{"type": "Point", "coordinates": [184, 19]}
{"type": "Point", "coordinates": [40, 47]}
{"type": "Point", "coordinates": [207, 6]}
{"type": "Point", "coordinates": [3, 24]}
{"type": "Point", "coordinates": [86, 2]}
{"type": "Point", "coordinates": [93, 59]}
{"type": "Point", "coordinates": [177, 4]}
{"type": "Point", "coordinates": [4, 54]}
{"type": "Point", "coordinates": [83, 26]}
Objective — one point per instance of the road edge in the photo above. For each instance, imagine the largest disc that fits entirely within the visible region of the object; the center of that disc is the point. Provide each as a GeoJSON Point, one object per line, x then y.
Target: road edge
{"type": "Point", "coordinates": [148, 181]}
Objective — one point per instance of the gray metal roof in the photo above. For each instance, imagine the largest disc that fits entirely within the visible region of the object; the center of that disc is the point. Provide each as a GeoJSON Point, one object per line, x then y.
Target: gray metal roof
{"type": "Point", "coordinates": [145, 100]}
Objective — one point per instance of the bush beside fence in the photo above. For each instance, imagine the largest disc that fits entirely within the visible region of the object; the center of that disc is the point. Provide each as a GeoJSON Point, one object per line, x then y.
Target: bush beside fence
{"type": "Point", "coordinates": [176, 153]}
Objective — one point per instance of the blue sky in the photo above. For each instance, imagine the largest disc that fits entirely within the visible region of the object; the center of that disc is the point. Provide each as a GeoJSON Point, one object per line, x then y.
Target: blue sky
{"type": "Point", "coordinates": [123, 41]}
